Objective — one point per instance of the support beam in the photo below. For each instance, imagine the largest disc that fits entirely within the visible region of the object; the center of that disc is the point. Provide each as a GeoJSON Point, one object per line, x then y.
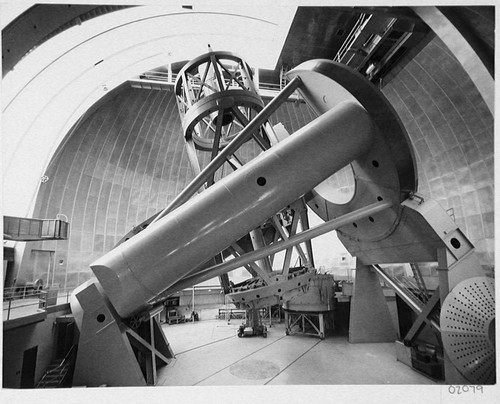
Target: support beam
{"type": "Point", "coordinates": [447, 282]}
{"type": "Point", "coordinates": [193, 159]}
{"type": "Point", "coordinates": [298, 207]}
{"type": "Point", "coordinates": [215, 148]}
{"type": "Point", "coordinates": [257, 136]}
{"type": "Point", "coordinates": [326, 227]}
{"type": "Point", "coordinates": [258, 242]}
{"type": "Point", "coordinates": [237, 251]}
{"type": "Point", "coordinates": [418, 308]}
{"type": "Point", "coordinates": [112, 354]}
{"type": "Point", "coordinates": [370, 319]}
{"type": "Point", "coordinates": [423, 317]}
{"type": "Point", "coordinates": [305, 226]}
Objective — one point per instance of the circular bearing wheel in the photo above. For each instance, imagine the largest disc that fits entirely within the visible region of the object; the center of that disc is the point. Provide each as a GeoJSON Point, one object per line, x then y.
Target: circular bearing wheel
{"type": "Point", "coordinates": [468, 329]}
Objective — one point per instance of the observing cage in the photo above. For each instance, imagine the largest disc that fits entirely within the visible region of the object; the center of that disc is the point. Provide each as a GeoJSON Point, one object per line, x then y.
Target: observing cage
{"type": "Point", "coordinates": [216, 97]}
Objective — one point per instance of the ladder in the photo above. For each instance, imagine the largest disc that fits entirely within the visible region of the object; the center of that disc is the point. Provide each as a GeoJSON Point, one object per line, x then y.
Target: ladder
{"type": "Point", "coordinates": [58, 372]}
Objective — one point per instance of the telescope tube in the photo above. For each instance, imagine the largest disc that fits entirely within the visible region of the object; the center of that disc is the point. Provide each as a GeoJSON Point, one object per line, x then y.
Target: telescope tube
{"type": "Point", "coordinates": [168, 250]}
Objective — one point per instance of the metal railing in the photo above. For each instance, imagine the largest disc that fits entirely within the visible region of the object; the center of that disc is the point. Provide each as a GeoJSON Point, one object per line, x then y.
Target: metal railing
{"type": "Point", "coordinates": [264, 89]}
{"type": "Point", "coordinates": [159, 76]}
{"type": "Point", "coordinates": [358, 27]}
{"type": "Point", "coordinates": [68, 360]}
{"type": "Point", "coordinates": [28, 229]}
{"type": "Point", "coordinates": [20, 301]}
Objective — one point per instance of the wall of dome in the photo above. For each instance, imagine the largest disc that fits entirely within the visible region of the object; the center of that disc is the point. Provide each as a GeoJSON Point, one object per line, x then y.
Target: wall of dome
{"type": "Point", "coordinates": [452, 132]}
{"type": "Point", "coordinates": [123, 163]}
{"type": "Point", "coordinates": [127, 161]}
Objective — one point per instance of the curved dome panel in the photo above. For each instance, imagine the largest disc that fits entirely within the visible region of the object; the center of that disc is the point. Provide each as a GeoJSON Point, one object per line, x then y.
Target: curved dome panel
{"type": "Point", "coordinates": [451, 130]}
{"type": "Point", "coordinates": [54, 85]}
{"type": "Point", "coordinates": [125, 162]}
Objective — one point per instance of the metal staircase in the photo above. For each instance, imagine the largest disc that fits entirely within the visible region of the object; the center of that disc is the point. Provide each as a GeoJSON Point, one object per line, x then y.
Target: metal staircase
{"type": "Point", "coordinates": [59, 373]}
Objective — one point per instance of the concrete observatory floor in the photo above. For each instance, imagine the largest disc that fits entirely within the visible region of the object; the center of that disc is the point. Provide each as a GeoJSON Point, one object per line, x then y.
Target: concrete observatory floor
{"type": "Point", "coordinates": [209, 353]}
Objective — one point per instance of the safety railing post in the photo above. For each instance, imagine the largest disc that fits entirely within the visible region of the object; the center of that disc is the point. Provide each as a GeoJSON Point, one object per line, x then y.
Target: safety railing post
{"type": "Point", "coordinates": [8, 310]}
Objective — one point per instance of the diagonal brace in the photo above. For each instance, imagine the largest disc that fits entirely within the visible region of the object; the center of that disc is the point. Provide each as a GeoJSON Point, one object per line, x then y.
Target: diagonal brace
{"type": "Point", "coordinates": [423, 317]}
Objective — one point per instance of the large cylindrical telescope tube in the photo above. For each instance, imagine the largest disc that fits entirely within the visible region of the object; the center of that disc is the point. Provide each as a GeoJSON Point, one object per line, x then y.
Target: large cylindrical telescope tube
{"type": "Point", "coordinates": [168, 250]}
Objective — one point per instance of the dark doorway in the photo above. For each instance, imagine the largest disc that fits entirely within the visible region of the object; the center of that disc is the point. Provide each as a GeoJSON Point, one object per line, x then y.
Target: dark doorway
{"type": "Point", "coordinates": [341, 321]}
{"type": "Point", "coordinates": [29, 366]}
{"type": "Point", "coordinates": [8, 267]}
{"type": "Point", "coordinates": [65, 331]}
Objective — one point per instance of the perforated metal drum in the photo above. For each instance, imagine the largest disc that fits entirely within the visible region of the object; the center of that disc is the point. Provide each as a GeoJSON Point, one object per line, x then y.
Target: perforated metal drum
{"type": "Point", "coordinates": [468, 329]}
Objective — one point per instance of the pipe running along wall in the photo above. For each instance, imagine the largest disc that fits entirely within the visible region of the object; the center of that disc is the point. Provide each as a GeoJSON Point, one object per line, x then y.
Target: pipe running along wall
{"type": "Point", "coordinates": [170, 249]}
